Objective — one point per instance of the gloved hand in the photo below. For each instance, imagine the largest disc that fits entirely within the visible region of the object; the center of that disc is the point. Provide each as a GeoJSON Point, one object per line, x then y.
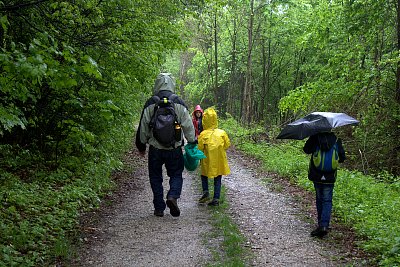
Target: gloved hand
{"type": "Point", "coordinates": [194, 143]}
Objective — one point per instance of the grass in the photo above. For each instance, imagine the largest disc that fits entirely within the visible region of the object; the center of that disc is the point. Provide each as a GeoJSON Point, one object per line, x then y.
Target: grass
{"type": "Point", "coordinates": [232, 251]}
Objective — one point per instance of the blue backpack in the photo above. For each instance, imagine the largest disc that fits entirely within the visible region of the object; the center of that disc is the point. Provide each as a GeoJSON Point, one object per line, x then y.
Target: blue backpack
{"type": "Point", "coordinates": [326, 161]}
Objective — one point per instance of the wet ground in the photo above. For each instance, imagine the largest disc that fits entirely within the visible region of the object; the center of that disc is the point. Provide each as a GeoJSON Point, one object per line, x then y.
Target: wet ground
{"type": "Point", "coordinates": [274, 216]}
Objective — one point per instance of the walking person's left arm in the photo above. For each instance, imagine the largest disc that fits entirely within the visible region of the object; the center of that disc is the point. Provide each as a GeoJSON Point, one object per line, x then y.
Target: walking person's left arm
{"type": "Point", "coordinates": [139, 144]}
{"type": "Point", "coordinates": [341, 152]}
{"type": "Point", "coordinates": [310, 145]}
{"type": "Point", "coordinates": [186, 123]}
{"type": "Point", "coordinates": [227, 141]}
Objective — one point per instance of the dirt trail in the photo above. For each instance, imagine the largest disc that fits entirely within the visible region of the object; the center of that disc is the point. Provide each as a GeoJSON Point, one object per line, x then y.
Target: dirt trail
{"type": "Point", "coordinates": [126, 233]}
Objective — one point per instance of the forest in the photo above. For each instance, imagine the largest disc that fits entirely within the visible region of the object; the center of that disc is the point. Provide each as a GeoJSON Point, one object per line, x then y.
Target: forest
{"type": "Point", "coordinates": [75, 74]}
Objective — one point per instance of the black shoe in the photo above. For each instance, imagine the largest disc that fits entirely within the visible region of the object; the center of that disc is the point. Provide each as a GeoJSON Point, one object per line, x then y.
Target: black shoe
{"type": "Point", "coordinates": [204, 198]}
{"type": "Point", "coordinates": [159, 213]}
{"type": "Point", "coordinates": [214, 202]}
{"type": "Point", "coordinates": [173, 207]}
{"type": "Point", "coordinates": [320, 232]}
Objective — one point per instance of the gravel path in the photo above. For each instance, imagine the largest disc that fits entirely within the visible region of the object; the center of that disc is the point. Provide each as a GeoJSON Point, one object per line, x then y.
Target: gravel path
{"type": "Point", "coordinates": [126, 233]}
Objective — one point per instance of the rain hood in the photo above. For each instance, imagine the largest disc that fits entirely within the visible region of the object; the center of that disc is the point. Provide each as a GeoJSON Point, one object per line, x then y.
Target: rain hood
{"type": "Point", "coordinates": [164, 82]}
{"type": "Point", "coordinates": [198, 108]}
{"type": "Point", "coordinates": [210, 119]}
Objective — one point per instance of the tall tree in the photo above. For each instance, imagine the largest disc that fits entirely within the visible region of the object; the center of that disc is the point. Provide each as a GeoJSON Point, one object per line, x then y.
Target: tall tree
{"type": "Point", "coordinates": [247, 89]}
{"type": "Point", "coordinates": [216, 56]}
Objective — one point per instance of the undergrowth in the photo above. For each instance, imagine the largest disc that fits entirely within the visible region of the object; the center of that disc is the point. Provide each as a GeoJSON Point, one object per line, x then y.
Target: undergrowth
{"type": "Point", "coordinates": [41, 205]}
{"type": "Point", "coordinates": [38, 217]}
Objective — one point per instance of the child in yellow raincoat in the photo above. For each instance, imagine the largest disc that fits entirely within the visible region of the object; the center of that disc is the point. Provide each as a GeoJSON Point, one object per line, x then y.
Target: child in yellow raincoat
{"type": "Point", "coordinates": [213, 142]}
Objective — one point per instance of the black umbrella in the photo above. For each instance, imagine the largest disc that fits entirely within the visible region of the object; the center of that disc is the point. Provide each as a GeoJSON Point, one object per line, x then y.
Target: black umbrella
{"type": "Point", "coordinates": [316, 122]}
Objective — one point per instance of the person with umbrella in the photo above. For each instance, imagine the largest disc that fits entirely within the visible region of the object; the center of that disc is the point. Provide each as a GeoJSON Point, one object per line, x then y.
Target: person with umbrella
{"type": "Point", "coordinates": [326, 152]}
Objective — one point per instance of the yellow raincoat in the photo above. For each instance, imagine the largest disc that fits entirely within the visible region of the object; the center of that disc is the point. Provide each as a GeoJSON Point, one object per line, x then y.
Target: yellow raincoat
{"type": "Point", "coordinates": [213, 142]}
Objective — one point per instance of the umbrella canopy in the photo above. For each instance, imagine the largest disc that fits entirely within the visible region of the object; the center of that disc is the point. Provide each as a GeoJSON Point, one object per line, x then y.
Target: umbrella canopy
{"type": "Point", "coordinates": [316, 122]}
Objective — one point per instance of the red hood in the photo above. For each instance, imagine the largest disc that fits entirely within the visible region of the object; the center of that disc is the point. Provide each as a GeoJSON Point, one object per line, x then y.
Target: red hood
{"type": "Point", "coordinates": [198, 108]}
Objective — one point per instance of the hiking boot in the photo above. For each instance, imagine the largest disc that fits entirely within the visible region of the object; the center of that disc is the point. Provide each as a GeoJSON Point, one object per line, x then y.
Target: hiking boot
{"type": "Point", "coordinates": [159, 213]}
{"type": "Point", "coordinates": [214, 202]}
{"type": "Point", "coordinates": [204, 198]}
{"type": "Point", "coordinates": [320, 232]}
{"type": "Point", "coordinates": [173, 207]}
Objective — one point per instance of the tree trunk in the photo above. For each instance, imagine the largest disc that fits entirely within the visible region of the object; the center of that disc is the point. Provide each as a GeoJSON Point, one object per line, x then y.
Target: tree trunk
{"type": "Point", "coordinates": [264, 81]}
{"type": "Point", "coordinates": [233, 79]}
{"type": "Point", "coordinates": [397, 150]}
{"type": "Point", "coordinates": [216, 93]}
{"type": "Point", "coordinates": [246, 107]}
{"type": "Point", "coordinates": [185, 63]}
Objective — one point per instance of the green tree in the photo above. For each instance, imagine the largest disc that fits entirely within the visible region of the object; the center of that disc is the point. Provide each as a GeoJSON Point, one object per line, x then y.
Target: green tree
{"type": "Point", "coordinates": [74, 72]}
{"type": "Point", "coordinates": [289, 58]}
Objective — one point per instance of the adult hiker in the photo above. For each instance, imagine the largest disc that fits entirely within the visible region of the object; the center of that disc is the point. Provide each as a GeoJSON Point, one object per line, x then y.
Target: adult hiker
{"type": "Point", "coordinates": [156, 131]}
{"type": "Point", "coordinates": [327, 151]}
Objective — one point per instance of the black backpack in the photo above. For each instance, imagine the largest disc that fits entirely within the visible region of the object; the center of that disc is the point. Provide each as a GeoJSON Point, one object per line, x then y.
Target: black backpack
{"type": "Point", "coordinates": [164, 122]}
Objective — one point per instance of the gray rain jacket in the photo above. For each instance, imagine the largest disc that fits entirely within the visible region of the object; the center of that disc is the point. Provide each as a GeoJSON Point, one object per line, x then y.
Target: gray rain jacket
{"type": "Point", "coordinates": [164, 86]}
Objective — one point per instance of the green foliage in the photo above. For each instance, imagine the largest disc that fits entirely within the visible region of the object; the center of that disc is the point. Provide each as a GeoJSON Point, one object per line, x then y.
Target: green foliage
{"type": "Point", "coordinates": [369, 206]}
{"type": "Point", "coordinates": [306, 56]}
{"type": "Point", "coordinates": [37, 217]}
{"type": "Point", "coordinates": [233, 241]}
{"type": "Point", "coordinates": [198, 88]}
{"type": "Point", "coordinates": [360, 201]}
{"type": "Point", "coordinates": [66, 86]}
{"type": "Point", "coordinates": [351, 71]}
{"type": "Point", "coordinates": [236, 132]}
{"type": "Point", "coordinates": [73, 78]}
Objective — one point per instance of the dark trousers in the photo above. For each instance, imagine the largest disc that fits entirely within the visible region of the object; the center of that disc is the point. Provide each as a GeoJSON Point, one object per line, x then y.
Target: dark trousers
{"type": "Point", "coordinates": [217, 185]}
{"type": "Point", "coordinates": [323, 201]}
{"type": "Point", "coordinates": [173, 161]}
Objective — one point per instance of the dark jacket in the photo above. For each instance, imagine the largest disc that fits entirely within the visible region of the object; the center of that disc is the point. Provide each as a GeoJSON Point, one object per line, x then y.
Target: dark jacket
{"type": "Point", "coordinates": [325, 141]}
{"type": "Point", "coordinates": [164, 86]}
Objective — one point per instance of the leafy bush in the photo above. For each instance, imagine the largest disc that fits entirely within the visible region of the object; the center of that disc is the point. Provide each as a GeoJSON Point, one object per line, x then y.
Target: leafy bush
{"type": "Point", "coordinates": [37, 217]}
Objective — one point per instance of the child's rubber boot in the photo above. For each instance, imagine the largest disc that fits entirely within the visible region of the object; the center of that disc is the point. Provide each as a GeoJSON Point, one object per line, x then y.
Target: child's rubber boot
{"type": "Point", "coordinates": [204, 198]}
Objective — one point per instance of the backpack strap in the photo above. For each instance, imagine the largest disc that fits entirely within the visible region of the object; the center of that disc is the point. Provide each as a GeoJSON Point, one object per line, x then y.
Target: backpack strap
{"type": "Point", "coordinates": [173, 97]}
{"type": "Point", "coordinates": [155, 99]}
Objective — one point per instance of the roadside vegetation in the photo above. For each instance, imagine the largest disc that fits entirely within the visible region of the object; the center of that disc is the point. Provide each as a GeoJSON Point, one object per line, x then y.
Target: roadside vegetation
{"type": "Point", "coordinates": [38, 217]}
{"type": "Point", "coordinates": [73, 78]}
{"type": "Point", "coordinates": [232, 251]}
{"type": "Point", "coordinates": [366, 203]}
